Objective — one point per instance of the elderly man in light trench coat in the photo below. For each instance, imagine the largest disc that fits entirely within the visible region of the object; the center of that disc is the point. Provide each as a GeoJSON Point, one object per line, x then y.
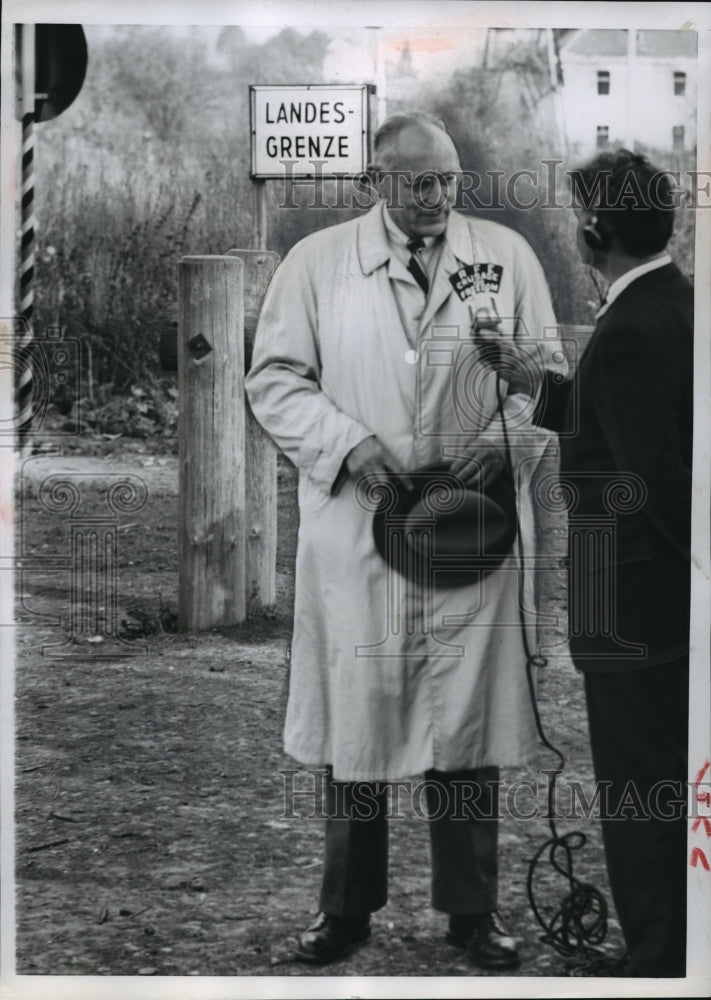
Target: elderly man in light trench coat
{"type": "Point", "coordinates": [360, 369]}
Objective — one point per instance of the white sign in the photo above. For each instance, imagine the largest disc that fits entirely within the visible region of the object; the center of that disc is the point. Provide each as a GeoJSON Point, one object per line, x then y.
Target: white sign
{"type": "Point", "coordinates": [308, 131]}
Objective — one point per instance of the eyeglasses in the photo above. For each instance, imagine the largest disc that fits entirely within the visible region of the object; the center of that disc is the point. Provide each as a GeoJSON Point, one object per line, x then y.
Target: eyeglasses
{"type": "Point", "coordinates": [424, 184]}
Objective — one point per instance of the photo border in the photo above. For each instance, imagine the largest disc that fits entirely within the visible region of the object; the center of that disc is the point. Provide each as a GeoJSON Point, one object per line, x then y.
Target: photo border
{"type": "Point", "coordinates": [317, 13]}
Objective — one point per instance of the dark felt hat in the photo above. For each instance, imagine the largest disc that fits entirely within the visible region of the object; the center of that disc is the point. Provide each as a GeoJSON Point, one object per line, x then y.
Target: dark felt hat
{"type": "Point", "coordinates": [440, 532]}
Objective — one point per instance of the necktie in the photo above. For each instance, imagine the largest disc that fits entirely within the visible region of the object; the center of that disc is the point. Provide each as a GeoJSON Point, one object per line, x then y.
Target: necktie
{"type": "Point", "coordinates": [414, 267]}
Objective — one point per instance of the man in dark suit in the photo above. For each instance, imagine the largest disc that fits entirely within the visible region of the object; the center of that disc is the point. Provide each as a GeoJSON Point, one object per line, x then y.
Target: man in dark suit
{"type": "Point", "coordinates": [625, 425]}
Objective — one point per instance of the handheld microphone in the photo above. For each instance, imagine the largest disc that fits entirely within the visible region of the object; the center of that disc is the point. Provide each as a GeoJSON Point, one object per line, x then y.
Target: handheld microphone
{"type": "Point", "coordinates": [487, 319]}
{"type": "Point", "coordinates": [481, 277]}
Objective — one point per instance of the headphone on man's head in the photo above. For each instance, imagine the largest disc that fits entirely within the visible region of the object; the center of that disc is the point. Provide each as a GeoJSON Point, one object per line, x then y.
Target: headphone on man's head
{"type": "Point", "coordinates": [594, 237]}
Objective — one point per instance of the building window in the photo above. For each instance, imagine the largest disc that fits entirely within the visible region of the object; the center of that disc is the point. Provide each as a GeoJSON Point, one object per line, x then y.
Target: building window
{"type": "Point", "coordinates": [603, 82]}
{"type": "Point", "coordinates": [679, 83]}
{"type": "Point", "coordinates": [603, 136]}
{"type": "Point", "coordinates": [678, 138]}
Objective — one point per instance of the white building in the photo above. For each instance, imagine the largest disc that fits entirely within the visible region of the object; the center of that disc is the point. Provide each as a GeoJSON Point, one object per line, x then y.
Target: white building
{"type": "Point", "coordinates": [629, 87]}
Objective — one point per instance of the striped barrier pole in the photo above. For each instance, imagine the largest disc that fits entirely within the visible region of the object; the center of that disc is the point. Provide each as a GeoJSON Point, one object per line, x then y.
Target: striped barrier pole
{"type": "Point", "coordinates": [24, 339]}
{"type": "Point", "coordinates": [24, 387]}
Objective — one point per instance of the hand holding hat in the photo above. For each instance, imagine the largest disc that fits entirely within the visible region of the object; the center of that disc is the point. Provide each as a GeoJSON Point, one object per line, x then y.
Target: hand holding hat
{"type": "Point", "coordinates": [479, 467]}
{"type": "Point", "coordinates": [440, 532]}
{"type": "Point", "coordinates": [371, 458]}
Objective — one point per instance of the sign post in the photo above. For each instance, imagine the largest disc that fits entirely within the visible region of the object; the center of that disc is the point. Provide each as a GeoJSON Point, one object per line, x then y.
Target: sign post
{"type": "Point", "coordinates": [308, 131]}
{"type": "Point", "coordinates": [259, 215]}
{"type": "Point", "coordinates": [228, 515]}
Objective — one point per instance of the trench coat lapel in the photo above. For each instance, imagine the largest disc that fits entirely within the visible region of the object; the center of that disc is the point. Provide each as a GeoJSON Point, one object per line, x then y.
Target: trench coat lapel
{"type": "Point", "coordinates": [372, 241]}
{"type": "Point", "coordinates": [456, 250]}
{"type": "Point", "coordinates": [374, 251]}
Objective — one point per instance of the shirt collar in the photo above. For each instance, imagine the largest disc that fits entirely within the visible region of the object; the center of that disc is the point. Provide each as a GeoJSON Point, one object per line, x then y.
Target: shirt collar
{"type": "Point", "coordinates": [374, 248]}
{"type": "Point", "coordinates": [626, 279]}
{"type": "Point", "coordinates": [396, 236]}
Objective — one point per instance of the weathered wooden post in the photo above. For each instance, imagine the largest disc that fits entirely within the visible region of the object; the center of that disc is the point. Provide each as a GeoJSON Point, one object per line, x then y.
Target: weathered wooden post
{"type": "Point", "coordinates": [260, 453]}
{"type": "Point", "coordinates": [211, 431]}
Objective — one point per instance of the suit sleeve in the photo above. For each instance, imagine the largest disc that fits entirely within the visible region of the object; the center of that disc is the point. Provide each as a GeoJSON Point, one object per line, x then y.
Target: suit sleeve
{"type": "Point", "coordinates": [636, 391]}
{"type": "Point", "coordinates": [283, 384]}
{"type": "Point", "coordinates": [552, 401]}
{"type": "Point", "coordinates": [536, 333]}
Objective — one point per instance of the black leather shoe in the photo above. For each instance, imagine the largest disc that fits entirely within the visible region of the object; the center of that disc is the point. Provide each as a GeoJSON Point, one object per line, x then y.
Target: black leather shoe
{"type": "Point", "coordinates": [330, 938]}
{"type": "Point", "coordinates": [488, 943]}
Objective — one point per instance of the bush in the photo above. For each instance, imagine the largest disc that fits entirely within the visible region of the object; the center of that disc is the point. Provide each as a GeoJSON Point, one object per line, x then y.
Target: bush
{"type": "Point", "coordinates": [140, 413]}
{"type": "Point", "coordinates": [151, 163]}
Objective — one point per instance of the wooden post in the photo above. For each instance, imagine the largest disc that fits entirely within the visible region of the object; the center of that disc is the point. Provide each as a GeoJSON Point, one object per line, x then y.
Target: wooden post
{"type": "Point", "coordinates": [260, 454]}
{"type": "Point", "coordinates": [211, 430]}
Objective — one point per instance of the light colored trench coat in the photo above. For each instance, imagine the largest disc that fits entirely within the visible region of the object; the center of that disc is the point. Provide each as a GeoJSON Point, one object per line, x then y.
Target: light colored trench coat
{"type": "Point", "coordinates": [382, 684]}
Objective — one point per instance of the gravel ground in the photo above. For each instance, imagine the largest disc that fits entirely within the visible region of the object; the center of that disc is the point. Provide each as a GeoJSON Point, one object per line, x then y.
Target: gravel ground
{"type": "Point", "coordinates": [152, 835]}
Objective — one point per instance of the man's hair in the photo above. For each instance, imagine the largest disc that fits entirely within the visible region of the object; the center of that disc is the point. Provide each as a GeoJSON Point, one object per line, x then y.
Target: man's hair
{"type": "Point", "coordinates": [632, 199]}
{"type": "Point", "coordinates": [386, 136]}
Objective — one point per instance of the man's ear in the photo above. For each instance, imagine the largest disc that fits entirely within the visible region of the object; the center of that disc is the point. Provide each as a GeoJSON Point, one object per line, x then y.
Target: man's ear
{"type": "Point", "coordinates": [372, 176]}
{"type": "Point", "coordinates": [597, 235]}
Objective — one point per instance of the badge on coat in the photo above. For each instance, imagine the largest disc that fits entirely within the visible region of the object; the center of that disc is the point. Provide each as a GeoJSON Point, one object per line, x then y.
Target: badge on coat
{"type": "Point", "coordinates": [475, 278]}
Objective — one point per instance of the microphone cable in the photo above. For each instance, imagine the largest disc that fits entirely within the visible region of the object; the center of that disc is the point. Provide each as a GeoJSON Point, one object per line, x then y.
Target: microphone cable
{"type": "Point", "coordinates": [578, 925]}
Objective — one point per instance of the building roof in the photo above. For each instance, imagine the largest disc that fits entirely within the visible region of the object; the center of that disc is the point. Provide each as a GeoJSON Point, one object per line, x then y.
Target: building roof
{"type": "Point", "coordinates": [598, 42]}
{"type": "Point", "coordinates": [613, 42]}
{"type": "Point", "coordinates": [666, 43]}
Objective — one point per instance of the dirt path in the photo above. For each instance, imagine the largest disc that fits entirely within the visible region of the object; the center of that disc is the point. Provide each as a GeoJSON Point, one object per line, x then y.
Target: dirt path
{"type": "Point", "coordinates": [153, 832]}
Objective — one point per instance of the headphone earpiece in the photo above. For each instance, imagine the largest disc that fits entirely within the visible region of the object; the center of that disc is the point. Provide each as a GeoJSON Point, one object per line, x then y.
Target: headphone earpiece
{"type": "Point", "coordinates": [593, 238]}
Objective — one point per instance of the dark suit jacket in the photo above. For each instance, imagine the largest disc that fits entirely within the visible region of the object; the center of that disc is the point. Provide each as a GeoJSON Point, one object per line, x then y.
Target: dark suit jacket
{"type": "Point", "coordinates": [628, 409]}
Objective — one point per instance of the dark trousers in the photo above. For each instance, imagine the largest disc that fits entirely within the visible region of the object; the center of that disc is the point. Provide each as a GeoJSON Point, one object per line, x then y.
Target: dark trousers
{"type": "Point", "coordinates": [462, 811]}
{"type": "Point", "coordinates": [638, 732]}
